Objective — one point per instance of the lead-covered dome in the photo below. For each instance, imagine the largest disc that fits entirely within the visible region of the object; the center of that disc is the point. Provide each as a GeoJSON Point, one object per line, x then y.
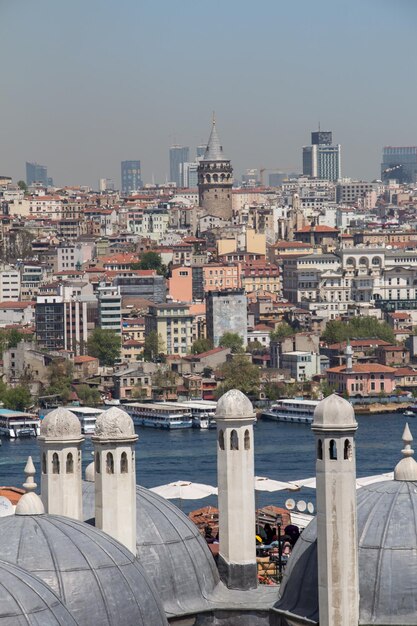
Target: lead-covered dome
{"type": "Point", "coordinates": [114, 424]}
{"type": "Point", "coordinates": [98, 579]}
{"type": "Point", "coordinates": [171, 550]}
{"type": "Point", "coordinates": [25, 599]}
{"type": "Point", "coordinates": [60, 424]}
{"type": "Point", "coordinates": [387, 535]}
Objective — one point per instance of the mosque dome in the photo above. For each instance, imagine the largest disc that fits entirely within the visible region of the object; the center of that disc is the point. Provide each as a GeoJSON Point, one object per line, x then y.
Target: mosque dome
{"type": "Point", "coordinates": [234, 405]}
{"type": "Point", "coordinates": [387, 536]}
{"type": "Point", "coordinates": [61, 424]}
{"type": "Point", "coordinates": [25, 599]}
{"type": "Point", "coordinates": [97, 578]}
{"type": "Point", "coordinates": [171, 549]}
{"type": "Point", "coordinates": [114, 424]}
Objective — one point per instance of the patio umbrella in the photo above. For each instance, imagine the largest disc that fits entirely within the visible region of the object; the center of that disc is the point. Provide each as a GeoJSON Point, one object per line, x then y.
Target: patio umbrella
{"type": "Point", "coordinates": [360, 482]}
{"type": "Point", "coordinates": [262, 483]}
{"type": "Point", "coordinates": [184, 490]}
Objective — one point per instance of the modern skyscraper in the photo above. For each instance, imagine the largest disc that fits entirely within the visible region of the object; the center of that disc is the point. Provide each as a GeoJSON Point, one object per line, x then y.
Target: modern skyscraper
{"type": "Point", "coordinates": [131, 177]}
{"type": "Point", "coordinates": [36, 173]}
{"type": "Point", "coordinates": [178, 155]}
{"type": "Point", "coordinates": [215, 179]}
{"type": "Point", "coordinates": [200, 150]}
{"type": "Point", "coordinates": [190, 176]}
{"type": "Point", "coordinates": [322, 159]}
{"type": "Point", "coordinates": [399, 163]}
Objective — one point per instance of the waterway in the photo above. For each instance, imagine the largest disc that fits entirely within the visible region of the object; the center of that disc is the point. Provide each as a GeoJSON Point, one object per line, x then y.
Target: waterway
{"type": "Point", "coordinates": [283, 451]}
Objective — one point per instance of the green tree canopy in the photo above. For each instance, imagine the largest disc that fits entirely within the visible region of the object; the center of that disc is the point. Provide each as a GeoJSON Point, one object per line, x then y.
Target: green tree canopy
{"type": "Point", "coordinates": [60, 379]}
{"type": "Point", "coordinates": [105, 345]}
{"type": "Point", "coordinates": [17, 398]}
{"type": "Point", "coordinates": [239, 373]}
{"type": "Point", "coordinates": [232, 341]}
{"type": "Point", "coordinates": [154, 346]}
{"type": "Point", "coordinates": [281, 331]}
{"type": "Point", "coordinates": [201, 345]}
{"type": "Point", "coordinates": [358, 328]}
{"type": "Point", "coordinates": [89, 396]}
{"type": "Point", "coordinates": [255, 347]}
{"type": "Point", "coordinates": [150, 261]}
{"type": "Point", "coordinates": [22, 185]}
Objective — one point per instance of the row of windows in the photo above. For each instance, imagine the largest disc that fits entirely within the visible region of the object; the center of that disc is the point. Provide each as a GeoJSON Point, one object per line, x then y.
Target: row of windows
{"type": "Point", "coordinates": [69, 463]}
{"type": "Point", "coordinates": [234, 440]}
{"type": "Point", "coordinates": [332, 450]}
{"type": "Point", "coordinates": [110, 463]}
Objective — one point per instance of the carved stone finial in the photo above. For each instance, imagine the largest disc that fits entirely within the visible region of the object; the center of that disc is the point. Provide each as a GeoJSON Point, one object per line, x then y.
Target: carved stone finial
{"type": "Point", "coordinates": [406, 469]}
{"type": "Point", "coordinates": [30, 503]}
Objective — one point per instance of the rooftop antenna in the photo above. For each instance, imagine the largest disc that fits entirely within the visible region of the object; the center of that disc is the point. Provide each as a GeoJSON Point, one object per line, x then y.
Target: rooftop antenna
{"type": "Point", "coordinates": [319, 125]}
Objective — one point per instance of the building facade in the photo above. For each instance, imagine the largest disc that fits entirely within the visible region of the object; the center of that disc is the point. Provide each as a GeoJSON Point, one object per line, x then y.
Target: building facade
{"type": "Point", "coordinates": [36, 173]}
{"type": "Point", "coordinates": [178, 156]}
{"type": "Point", "coordinates": [131, 177]}
{"type": "Point", "coordinates": [226, 311]}
{"type": "Point", "coordinates": [399, 163]}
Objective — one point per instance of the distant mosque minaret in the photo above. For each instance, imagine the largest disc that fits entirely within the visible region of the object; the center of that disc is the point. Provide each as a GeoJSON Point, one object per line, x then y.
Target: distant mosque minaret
{"type": "Point", "coordinates": [215, 179]}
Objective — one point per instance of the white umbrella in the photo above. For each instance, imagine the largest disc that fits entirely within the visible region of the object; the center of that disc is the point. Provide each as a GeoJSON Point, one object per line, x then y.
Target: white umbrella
{"type": "Point", "coordinates": [184, 490]}
{"type": "Point", "coordinates": [360, 482]}
{"type": "Point", "coordinates": [262, 483]}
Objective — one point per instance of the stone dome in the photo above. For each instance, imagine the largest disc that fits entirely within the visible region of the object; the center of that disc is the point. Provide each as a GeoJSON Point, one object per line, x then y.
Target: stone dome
{"type": "Point", "coordinates": [334, 413]}
{"type": "Point", "coordinates": [171, 550]}
{"type": "Point", "coordinates": [387, 535]}
{"type": "Point", "coordinates": [234, 405]}
{"type": "Point", "coordinates": [114, 424]}
{"type": "Point", "coordinates": [25, 599]}
{"type": "Point", "coordinates": [61, 424]}
{"type": "Point", "coordinates": [97, 578]}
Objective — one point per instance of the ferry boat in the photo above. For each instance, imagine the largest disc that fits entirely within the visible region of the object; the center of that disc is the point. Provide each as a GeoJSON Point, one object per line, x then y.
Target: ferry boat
{"type": "Point", "coordinates": [165, 415]}
{"type": "Point", "coordinates": [16, 424]}
{"type": "Point", "coordinates": [203, 413]}
{"type": "Point", "coordinates": [87, 416]}
{"type": "Point", "coordinates": [297, 410]}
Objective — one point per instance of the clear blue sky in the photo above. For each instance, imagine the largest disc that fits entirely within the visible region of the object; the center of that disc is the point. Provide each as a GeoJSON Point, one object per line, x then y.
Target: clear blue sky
{"type": "Point", "coordinates": [88, 83]}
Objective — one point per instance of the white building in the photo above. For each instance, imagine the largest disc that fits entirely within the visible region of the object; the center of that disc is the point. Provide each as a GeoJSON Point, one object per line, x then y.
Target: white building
{"type": "Point", "coordinates": [110, 308]}
{"type": "Point", "coordinates": [9, 284]}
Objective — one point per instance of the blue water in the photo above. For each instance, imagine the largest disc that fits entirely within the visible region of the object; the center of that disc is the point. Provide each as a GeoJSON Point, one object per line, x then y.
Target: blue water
{"type": "Point", "coordinates": [282, 451]}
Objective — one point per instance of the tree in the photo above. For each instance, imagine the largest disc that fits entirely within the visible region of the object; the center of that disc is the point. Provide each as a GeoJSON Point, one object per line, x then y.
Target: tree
{"type": "Point", "coordinates": [239, 373]}
{"type": "Point", "coordinates": [89, 396]}
{"type": "Point", "coordinates": [255, 347]}
{"type": "Point", "coordinates": [281, 331]}
{"type": "Point", "coordinates": [201, 345]}
{"type": "Point", "coordinates": [150, 261]}
{"type": "Point", "coordinates": [60, 379]}
{"type": "Point", "coordinates": [153, 347]}
{"type": "Point", "coordinates": [22, 185]}
{"type": "Point", "coordinates": [18, 398]}
{"type": "Point", "coordinates": [104, 344]}
{"type": "Point", "coordinates": [358, 327]}
{"type": "Point", "coordinates": [232, 341]}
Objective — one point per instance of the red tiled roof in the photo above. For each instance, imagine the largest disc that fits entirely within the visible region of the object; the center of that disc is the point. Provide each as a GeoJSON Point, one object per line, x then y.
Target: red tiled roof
{"type": "Point", "coordinates": [16, 305]}
{"type": "Point", "coordinates": [317, 229]}
{"type": "Point", "coordinates": [360, 343]}
{"type": "Point", "coordinates": [364, 368]}
{"type": "Point", "coordinates": [84, 359]}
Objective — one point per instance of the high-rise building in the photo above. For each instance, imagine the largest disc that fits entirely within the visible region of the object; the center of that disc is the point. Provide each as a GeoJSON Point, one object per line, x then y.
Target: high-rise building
{"type": "Point", "coordinates": [178, 155]}
{"type": "Point", "coordinates": [215, 179]}
{"type": "Point", "coordinates": [36, 173]}
{"type": "Point", "coordinates": [322, 159]}
{"type": "Point", "coordinates": [200, 150]}
{"type": "Point", "coordinates": [131, 177]}
{"type": "Point", "coordinates": [226, 312]}
{"type": "Point", "coordinates": [190, 175]}
{"type": "Point", "coordinates": [399, 163]}
{"type": "Point", "coordinates": [110, 308]}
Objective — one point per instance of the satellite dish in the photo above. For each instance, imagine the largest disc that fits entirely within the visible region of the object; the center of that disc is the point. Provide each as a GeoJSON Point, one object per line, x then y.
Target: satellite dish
{"type": "Point", "coordinates": [290, 504]}
{"type": "Point", "coordinates": [310, 508]}
{"type": "Point", "coordinates": [301, 506]}
{"type": "Point", "coordinates": [6, 507]}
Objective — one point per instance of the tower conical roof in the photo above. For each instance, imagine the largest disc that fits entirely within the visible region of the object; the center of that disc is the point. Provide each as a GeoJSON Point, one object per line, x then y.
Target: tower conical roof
{"type": "Point", "coordinates": [214, 150]}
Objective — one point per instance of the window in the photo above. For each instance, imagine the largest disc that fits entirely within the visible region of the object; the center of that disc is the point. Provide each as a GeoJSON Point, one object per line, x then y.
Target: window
{"type": "Point", "coordinates": [247, 440]}
{"type": "Point", "coordinates": [109, 463]}
{"type": "Point", "coordinates": [347, 454]}
{"type": "Point", "coordinates": [123, 463]}
{"type": "Point", "coordinates": [44, 463]}
{"type": "Point", "coordinates": [70, 464]}
{"type": "Point", "coordinates": [221, 440]}
{"type": "Point", "coordinates": [55, 463]}
{"type": "Point", "coordinates": [234, 440]}
{"type": "Point", "coordinates": [333, 450]}
{"type": "Point", "coordinates": [320, 449]}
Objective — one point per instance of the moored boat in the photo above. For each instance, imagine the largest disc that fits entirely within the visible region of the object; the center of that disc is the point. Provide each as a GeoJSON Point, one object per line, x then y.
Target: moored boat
{"type": "Point", "coordinates": [295, 410]}
{"type": "Point", "coordinates": [16, 424]}
{"type": "Point", "coordinates": [164, 415]}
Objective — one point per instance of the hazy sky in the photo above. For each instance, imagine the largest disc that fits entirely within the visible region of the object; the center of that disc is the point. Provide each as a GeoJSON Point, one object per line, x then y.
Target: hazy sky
{"type": "Point", "coordinates": [88, 83]}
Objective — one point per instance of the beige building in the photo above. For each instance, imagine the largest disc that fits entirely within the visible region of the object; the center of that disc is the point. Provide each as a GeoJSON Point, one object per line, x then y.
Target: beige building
{"type": "Point", "coordinates": [174, 324]}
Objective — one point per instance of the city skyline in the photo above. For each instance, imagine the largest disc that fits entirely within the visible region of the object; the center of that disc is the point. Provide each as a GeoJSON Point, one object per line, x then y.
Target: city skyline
{"type": "Point", "coordinates": [267, 95]}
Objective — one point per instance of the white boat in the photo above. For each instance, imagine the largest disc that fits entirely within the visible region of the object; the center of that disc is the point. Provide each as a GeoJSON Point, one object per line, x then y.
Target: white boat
{"type": "Point", "coordinates": [409, 414]}
{"type": "Point", "coordinates": [87, 416]}
{"type": "Point", "coordinates": [297, 410]}
{"type": "Point", "coordinates": [16, 424]}
{"type": "Point", "coordinates": [165, 415]}
{"type": "Point", "coordinates": [203, 413]}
